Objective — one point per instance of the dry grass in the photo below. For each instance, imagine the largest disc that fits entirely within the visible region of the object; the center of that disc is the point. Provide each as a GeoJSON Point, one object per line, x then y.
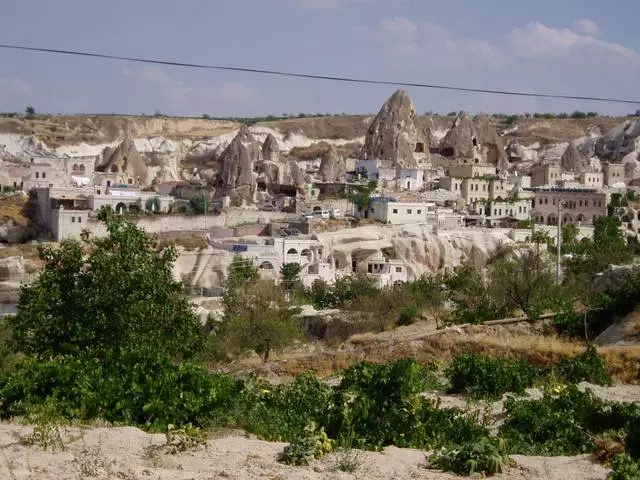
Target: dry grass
{"type": "Point", "coordinates": [26, 250]}
{"type": "Point", "coordinates": [423, 344]}
{"type": "Point", "coordinates": [188, 242]}
{"type": "Point", "coordinates": [13, 208]}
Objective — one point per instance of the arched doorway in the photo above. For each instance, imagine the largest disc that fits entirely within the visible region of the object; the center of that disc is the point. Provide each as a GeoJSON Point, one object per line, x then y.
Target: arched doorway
{"type": "Point", "coordinates": [121, 208]}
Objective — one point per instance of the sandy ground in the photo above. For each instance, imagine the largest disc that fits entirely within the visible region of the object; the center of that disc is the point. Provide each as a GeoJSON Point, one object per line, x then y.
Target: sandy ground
{"type": "Point", "coordinates": [124, 453]}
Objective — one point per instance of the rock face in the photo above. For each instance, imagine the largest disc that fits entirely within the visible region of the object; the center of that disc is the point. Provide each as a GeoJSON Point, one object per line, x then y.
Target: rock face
{"type": "Point", "coordinates": [238, 167]}
{"type": "Point", "coordinates": [619, 141]}
{"type": "Point", "coordinates": [332, 166]}
{"type": "Point", "coordinates": [490, 143]}
{"type": "Point", "coordinates": [394, 135]}
{"type": "Point", "coordinates": [573, 161]}
{"type": "Point", "coordinates": [462, 138]}
{"type": "Point", "coordinates": [125, 159]}
{"type": "Point", "coordinates": [270, 149]}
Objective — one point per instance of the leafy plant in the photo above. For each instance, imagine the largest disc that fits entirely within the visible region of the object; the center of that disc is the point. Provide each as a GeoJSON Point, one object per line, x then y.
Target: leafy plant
{"type": "Point", "coordinates": [102, 297]}
{"type": "Point", "coordinates": [588, 367]}
{"type": "Point", "coordinates": [486, 456]}
{"type": "Point", "coordinates": [182, 439]}
{"type": "Point", "coordinates": [484, 377]}
{"type": "Point", "coordinates": [625, 468]}
{"type": "Point", "coordinates": [312, 444]}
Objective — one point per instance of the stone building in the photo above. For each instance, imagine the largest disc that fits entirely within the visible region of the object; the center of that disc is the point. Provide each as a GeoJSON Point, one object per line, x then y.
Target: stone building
{"type": "Point", "coordinates": [578, 206]}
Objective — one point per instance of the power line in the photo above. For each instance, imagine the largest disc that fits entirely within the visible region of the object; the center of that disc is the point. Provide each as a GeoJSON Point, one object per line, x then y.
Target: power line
{"type": "Point", "coordinates": [316, 77]}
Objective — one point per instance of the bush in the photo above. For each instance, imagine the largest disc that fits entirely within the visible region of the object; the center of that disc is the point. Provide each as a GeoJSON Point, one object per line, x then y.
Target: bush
{"type": "Point", "coordinates": [408, 316]}
{"type": "Point", "coordinates": [312, 444]}
{"type": "Point", "coordinates": [588, 367]}
{"type": "Point", "coordinates": [625, 468]}
{"type": "Point", "coordinates": [486, 456]}
{"type": "Point", "coordinates": [150, 392]}
{"type": "Point", "coordinates": [380, 405]}
{"type": "Point", "coordinates": [484, 377]}
{"type": "Point", "coordinates": [557, 424]}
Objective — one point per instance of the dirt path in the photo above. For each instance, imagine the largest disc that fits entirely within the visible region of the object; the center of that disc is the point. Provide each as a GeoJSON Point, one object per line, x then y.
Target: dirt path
{"type": "Point", "coordinates": [127, 453]}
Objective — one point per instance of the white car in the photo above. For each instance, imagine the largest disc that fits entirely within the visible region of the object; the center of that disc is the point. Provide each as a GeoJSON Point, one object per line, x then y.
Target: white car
{"type": "Point", "coordinates": [322, 213]}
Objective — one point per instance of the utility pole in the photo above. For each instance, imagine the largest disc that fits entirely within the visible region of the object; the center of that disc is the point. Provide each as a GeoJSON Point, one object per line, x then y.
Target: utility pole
{"type": "Point", "coordinates": [559, 242]}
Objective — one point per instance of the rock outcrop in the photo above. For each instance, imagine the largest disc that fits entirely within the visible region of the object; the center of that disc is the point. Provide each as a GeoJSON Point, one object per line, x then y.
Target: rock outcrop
{"type": "Point", "coordinates": [332, 166]}
{"type": "Point", "coordinates": [462, 138]}
{"type": "Point", "coordinates": [394, 134]}
{"type": "Point", "coordinates": [270, 149]}
{"type": "Point", "coordinates": [490, 143]}
{"type": "Point", "coordinates": [619, 141]}
{"type": "Point", "coordinates": [238, 172]}
{"type": "Point", "coordinates": [573, 161]}
{"type": "Point", "coordinates": [126, 161]}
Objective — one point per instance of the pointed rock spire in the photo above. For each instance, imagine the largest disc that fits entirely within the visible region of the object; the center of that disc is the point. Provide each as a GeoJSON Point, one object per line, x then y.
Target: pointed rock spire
{"type": "Point", "coordinates": [394, 135]}
{"type": "Point", "coordinates": [238, 161]}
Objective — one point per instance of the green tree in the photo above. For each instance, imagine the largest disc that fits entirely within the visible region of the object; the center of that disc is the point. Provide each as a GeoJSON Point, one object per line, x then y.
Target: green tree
{"type": "Point", "coordinates": [152, 204]}
{"type": "Point", "coordinates": [290, 273]}
{"type": "Point", "coordinates": [199, 204]}
{"type": "Point", "coordinates": [524, 281]}
{"type": "Point", "coordinates": [100, 297]}
{"type": "Point", "coordinates": [263, 321]}
{"type": "Point", "coordinates": [30, 111]}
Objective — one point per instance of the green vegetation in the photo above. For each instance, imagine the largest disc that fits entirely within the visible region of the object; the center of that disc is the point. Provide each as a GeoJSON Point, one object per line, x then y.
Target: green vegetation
{"type": "Point", "coordinates": [487, 456]}
{"type": "Point", "coordinates": [625, 468]}
{"type": "Point", "coordinates": [312, 444]}
{"type": "Point", "coordinates": [483, 377]}
{"type": "Point", "coordinates": [29, 111]}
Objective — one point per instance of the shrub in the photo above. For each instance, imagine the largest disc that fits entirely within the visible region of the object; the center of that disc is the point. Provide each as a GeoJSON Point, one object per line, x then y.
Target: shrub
{"type": "Point", "coordinates": [588, 367]}
{"type": "Point", "coordinates": [147, 391]}
{"type": "Point", "coordinates": [379, 405]}
{"type": "Point", "coordinates": [484, 377]}
{"type": "Point", "coordinates": [312, 444]}
{"type": "Point", "coordinates": [408, 316]}
{"type": "Point", "coordinates": [555, 425]}
{"type": "Point", "coordinates": [486, 456]}
{"type": "Point", "coordinates": [183, 439]}
{"type": "Point", "coordinates": [625, 468]}
{"type": "Point", "coordinates": [281, 413]}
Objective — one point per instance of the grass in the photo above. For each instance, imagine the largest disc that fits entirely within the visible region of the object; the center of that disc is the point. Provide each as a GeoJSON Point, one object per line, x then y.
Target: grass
{"type": "Point", "coordinates": [425, 345]}
{"type": "Point", "coordinates": [188, 242]}
{"type": "Point", "coordinates": [26, 250]}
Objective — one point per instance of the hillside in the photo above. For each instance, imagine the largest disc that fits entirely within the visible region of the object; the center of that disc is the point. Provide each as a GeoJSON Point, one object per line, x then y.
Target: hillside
{"type": "Point", "coordinates": [99, 129]}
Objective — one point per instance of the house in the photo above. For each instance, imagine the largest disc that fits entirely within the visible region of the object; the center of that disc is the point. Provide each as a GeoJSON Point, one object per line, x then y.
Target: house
{"type": "Point", "coordinates": [470, 170]}
{"type": "Point", "coordinates": [411, 179]}
{"type": "Point", "coordinates": [371, 169]}
{"type": "Point", "coordinates": [578, 206]}
{"type": "Point", "coordinates": [591, 179]}
{"type": "Point", "coordinates": [60, 172]}
{"type": "Point", "coordinates": [545, 175]}
{"type": "Point", "coordinates": [386, 272]}
{"type": "Point", "coordinates": [388, 210]}
{"type": "Point", "coordinates": [613, 173]}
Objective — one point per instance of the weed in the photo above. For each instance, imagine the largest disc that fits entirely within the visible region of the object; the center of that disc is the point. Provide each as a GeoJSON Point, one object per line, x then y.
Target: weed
{"type": "Point", "coordinates": [91, 462]}
{"type": "Point", "coordinates": [47, 436]}
{"type": "Point", "coordinates": [486, 456]}
{"type": "Point", "coordinates": [312, 444]}
{"type": "Point", "coordinates": [183, 439]}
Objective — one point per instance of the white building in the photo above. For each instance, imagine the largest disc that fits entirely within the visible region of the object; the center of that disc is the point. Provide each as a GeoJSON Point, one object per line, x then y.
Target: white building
{"type": "Point", "coordinates": [386, 272]}
{"type": "Point", "coordinates": [411, 179]}
{"type": "Point", "coordinates": [389, 211]}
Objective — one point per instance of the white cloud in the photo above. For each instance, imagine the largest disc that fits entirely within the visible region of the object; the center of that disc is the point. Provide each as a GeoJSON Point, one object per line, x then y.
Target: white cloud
{"type": "Point", "coordinates": [175, 94]}
{"type": "Point", "coordinates": [535, 57]}
{"type": "Point", "coordinates": [587, 27]}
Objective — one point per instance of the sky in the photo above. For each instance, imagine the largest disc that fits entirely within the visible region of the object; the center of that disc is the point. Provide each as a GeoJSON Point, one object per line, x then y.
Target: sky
{"type": "Point", "coordinates": [574, 47]}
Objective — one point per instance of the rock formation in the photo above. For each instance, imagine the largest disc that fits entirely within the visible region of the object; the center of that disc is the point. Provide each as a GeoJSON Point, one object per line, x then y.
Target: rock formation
{"type": "Point", "coordinates": [619, 141]}
{"type": "Point", "coordinates": [573, 161]}
{"type": "Point", "coordinates": [126, 160]}
{"type": "Point", "coordinates": [490, 143]}
{"type": "Point", "coordinates": [332, 166]}
{"type": "Point", "coordinates": [270, 149]}
{"type": "Point", "coordinates": [394, 135]}
{"type": "Point", "coordinates": [462, 138]}
{"type": "Point", "coordinates": [238, 162]}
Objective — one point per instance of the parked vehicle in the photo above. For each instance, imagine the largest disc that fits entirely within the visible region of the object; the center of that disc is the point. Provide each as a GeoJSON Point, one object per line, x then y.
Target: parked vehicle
{"type": "Point", "coordinates": [335, 213]}
{"type": "Point", "coordinates": [322, 214]}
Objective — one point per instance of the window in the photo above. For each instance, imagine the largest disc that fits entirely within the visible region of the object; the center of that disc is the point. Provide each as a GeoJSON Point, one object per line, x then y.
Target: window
{"type": "Point", "coordinates": [398, 269]}
{"type": "Point", "coordinates": [73, 219]}
{"type": "Point", "coordinates": [409, 211]}
{"type": "Point", "coordinates": [130, 181]}
{"type": "Point", "coordinates": [419, 212]}
{"type": "Point", "coordinates": [546, 200]}
{"type": "Point", "coordinates": [37, 174]}
{"type": "Point", "coordinates": [395, 210]}
{"type": "Point", "coordinates": [79, 219]}
{"type": "Point", "coordinates": [44, 175]}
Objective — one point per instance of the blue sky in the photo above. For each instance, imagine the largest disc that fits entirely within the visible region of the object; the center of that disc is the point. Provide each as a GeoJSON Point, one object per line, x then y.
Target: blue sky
{"type": "Point", "coordinates": [577, 47]}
